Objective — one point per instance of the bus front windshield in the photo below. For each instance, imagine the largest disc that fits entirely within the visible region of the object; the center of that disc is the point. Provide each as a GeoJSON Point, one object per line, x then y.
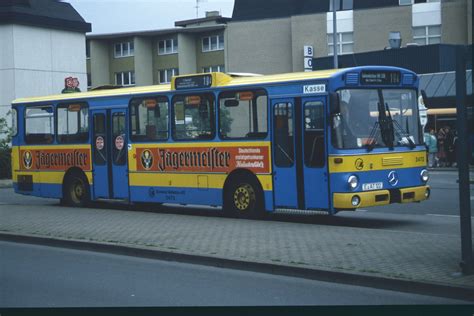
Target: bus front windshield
{"type": "Point", "coordinates": [372, 118]}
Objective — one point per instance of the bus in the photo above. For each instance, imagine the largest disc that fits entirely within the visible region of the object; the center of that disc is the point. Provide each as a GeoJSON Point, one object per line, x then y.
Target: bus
{"type": "Point", "coordinates": [330, 141]}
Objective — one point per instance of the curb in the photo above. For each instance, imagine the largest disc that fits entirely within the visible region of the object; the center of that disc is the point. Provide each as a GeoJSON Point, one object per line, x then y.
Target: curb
{"type": "Point", "coordinates": [6, 183]}
{"type": "Point", "coordinates": [416, 287]}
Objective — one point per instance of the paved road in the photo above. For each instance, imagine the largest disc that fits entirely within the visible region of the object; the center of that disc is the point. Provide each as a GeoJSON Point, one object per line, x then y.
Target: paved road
{"type": "Point", "coordinates": [40, 276]}
{"type": "Point", "coordinates": [438, 215]}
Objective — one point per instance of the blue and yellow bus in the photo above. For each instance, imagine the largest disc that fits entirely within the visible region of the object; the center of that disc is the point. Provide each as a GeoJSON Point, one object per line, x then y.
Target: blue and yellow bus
{"type": "Point", "coordinates": [328, 141]}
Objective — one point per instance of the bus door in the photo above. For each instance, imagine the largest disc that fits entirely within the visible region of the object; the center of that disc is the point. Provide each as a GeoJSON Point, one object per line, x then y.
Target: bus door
{"type": "Point", "coordinates": [285, 179]}
{"type": "Point", "coordinates": [110, 154]}
{"type": "Point", "coordinates": [316, 184]}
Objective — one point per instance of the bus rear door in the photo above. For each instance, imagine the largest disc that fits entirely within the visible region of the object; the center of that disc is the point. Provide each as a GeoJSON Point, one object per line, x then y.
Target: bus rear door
{"type": "Point", "coordinates": [110, 154]}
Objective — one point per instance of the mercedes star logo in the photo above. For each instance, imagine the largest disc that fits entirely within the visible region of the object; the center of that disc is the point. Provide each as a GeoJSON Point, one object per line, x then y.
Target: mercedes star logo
{"type": "Point", "coordinates": [393, 178]}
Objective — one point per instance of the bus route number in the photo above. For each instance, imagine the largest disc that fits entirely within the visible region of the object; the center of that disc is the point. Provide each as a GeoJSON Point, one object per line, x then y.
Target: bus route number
{"type": "Point", "coordinates": [315, 88]}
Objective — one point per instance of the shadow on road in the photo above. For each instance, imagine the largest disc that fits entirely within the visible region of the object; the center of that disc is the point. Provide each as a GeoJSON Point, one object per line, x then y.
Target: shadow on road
{"type": "Point", "coordinates": [343, 219]}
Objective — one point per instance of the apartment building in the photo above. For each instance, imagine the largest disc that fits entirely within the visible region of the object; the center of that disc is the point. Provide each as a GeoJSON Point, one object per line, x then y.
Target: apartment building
{"type": "Point", "coordinates": [153, 57]}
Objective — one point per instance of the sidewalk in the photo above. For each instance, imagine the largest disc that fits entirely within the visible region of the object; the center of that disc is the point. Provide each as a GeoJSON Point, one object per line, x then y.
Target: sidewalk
{"type": "Point", "coordinates": [333, 253]}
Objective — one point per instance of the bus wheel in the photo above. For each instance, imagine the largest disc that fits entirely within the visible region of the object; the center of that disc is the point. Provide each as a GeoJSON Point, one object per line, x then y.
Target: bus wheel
{"type": "Point", "coordinates": [76, 190]}
{"type": "Point", "coordinates": [243, 198]}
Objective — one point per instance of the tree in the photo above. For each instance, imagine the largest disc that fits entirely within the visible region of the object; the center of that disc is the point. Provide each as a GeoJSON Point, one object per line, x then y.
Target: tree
{"type": "Point", "coordinates": [6, 133]}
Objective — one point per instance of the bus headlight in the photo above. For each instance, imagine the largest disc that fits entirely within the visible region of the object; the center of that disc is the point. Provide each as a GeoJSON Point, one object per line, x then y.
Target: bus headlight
{"type": "Point", "coordinates": [353, 182]}
{"type": "Point", "coordinates": [425, 176]}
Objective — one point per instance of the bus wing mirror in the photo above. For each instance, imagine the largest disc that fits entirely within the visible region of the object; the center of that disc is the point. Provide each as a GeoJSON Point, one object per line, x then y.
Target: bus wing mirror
{"type": "Point", "coordinates": [424, 98]}
{"type": "Point", "coordinates": [334, 104]}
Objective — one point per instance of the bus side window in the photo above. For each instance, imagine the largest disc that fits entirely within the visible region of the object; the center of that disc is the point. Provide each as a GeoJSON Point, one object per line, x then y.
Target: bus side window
{"type": "Point", "coordinates": [243, 114]}
{"type": "Point", "coordinates": [39, 125]}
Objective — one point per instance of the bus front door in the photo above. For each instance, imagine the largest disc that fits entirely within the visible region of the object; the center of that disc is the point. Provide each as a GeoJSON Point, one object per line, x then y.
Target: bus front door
{"type": "Point", "coordinates": [316, 186]}
{"type": "Point", "coordinates": [110, 153]}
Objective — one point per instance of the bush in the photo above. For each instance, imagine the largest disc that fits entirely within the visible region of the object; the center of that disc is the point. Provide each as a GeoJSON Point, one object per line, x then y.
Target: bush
{"type": "Point", "coordinates": [5, 163]}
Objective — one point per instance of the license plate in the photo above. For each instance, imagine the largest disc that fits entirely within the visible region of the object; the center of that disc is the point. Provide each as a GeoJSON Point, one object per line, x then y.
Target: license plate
{"type": "Point", "coordinates": [372, 186]}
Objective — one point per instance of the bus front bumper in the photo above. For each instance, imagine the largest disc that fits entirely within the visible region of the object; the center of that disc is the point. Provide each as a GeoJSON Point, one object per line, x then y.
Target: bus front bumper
{"type": "Point", "coordinates": [354, 200]}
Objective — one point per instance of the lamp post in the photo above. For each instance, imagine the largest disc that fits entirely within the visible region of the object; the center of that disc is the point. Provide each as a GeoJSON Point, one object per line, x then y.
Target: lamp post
{"type": "Point", "coordinates": [334, 33]}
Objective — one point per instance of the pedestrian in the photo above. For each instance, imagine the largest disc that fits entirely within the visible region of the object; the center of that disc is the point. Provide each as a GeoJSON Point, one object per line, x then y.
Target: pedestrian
{"type": "Point", "coordinates": [441, 147]}
{"type": "Point", "coordinates": [432, 147]}
{"type": "Point", "coordinates": [451, 138]}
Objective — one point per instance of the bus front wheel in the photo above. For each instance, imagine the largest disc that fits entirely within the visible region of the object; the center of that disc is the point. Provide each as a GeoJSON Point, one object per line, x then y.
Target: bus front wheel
{"type": "Point", "coordinates": [76, 190]}
{"type": "Point", "coordinates": [244, 198]}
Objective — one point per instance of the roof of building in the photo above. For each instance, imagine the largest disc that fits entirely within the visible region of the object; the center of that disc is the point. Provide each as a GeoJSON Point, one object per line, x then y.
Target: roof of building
{"type": "Point", "coordinates": [217, 19]}
{"type": "Point", "coordinates": [43, 13]}
{"type": "Point", "coordinates": [151, 33]}
{"type": "Point", "coordinates": [264, 9]}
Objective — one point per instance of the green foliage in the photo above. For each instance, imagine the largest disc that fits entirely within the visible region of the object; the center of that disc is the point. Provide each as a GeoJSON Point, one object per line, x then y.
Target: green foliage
{"type": "Point", "coordinates": [5, 150]}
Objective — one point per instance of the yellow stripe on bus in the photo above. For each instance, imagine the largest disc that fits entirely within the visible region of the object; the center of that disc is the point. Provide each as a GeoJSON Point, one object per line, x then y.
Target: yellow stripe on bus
{"type": "Point", "coordinates": [373, 162]}
{"type": "Point", "coordinates": [203, 181]}
{"type": "Point", "coordinates": [47, 177]}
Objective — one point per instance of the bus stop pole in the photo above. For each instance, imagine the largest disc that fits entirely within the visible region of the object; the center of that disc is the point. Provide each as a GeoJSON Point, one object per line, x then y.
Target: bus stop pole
{"type": "Point", "coordinates": [334, 34]}
{"type": "Point", "coordinates": [467, 263]}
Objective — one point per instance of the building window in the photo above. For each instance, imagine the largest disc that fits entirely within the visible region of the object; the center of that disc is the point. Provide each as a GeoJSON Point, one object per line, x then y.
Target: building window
{"type": "Point", "coordinates": [219, 68]}
{"type": "Point", "coordinates": [425, 35]}
{"type": "Point", "coordinates": [124, 49]}
{"type": "Point", "coordinates": [342, 5]}
{"type": "Point", "coordinates": [88, 49]}
{"type": "Point", "coordinates": [126, 78]}
{"type": "Point", "coordinates": [166, 74]}
{"type": "Point", "coordinates": [89, 80]}
{"type": "Point", "coordinates": [213, 43]}
{"type": "Point", "coordinates": [169, 46]}
{"type": "Point", "coordinates": [345, 43]}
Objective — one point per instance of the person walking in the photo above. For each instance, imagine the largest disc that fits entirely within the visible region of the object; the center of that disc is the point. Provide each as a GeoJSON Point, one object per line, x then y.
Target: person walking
{"type": "Point", "coordinates": [432, 147]}
{"type": "Point", "coordinates": [442, 146]}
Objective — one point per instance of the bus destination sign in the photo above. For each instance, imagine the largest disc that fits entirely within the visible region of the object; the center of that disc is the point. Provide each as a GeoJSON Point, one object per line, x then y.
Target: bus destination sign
{"type": "Point", "coordinates": [370, 77]}
{"type": "Point", "coordinates": [193, 82]}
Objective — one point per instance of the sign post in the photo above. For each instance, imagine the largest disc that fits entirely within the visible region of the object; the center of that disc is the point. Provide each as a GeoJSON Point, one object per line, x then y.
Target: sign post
{"type": "Point", "coordinates": [467, 262]}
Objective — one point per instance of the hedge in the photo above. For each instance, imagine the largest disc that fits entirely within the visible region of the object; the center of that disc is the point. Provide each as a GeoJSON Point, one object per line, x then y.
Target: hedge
{"type": "Point", "coordinates": [5, 163]}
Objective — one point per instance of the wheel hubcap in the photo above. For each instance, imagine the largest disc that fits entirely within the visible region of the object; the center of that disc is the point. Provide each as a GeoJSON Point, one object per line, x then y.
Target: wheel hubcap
{"type": "Point", "coordinates": [243, 197]}
{"type": "Point", "coordinates": [77, 191]}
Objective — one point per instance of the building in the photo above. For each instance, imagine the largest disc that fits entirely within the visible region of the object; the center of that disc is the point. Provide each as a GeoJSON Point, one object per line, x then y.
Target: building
{"type": "Point", "coordinates": [42, 42]}
{"type": "Point", "coordinates": [269, 37]}
{"type": "Point", "coordinates": [153, 57]}
{"type": "Point", "coordinates": [275, 32]}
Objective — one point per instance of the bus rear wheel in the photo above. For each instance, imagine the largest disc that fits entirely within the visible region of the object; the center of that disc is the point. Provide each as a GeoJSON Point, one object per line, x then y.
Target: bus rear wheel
{"type": "Point", "coordinates": [76, 190]}
{"type": "Point", "coordinates": [244, 198]}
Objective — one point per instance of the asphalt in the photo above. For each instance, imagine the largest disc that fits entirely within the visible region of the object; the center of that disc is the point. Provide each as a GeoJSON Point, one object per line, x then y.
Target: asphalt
{"type": "Point", "coordinates": [406, 261]}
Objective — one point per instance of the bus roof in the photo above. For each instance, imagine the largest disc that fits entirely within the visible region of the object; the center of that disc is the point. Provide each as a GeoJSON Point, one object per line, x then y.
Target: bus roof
{"type": "Point", "coordinates": [219, 80]}
{"type": "Point", "coordinates": [232, 81]}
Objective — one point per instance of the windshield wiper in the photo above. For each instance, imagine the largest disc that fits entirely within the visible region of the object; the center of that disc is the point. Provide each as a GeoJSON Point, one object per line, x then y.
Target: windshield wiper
{"type": "Point", "coordinates": [386, 123]}
{"type": "Point", "coordinates": [372, 140]}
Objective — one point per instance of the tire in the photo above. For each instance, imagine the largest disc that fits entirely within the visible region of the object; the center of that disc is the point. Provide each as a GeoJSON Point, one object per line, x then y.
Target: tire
{"type": "Point", "coordinates": [244, 198]}
{"type": "Point", "coordinates": [76, 190]}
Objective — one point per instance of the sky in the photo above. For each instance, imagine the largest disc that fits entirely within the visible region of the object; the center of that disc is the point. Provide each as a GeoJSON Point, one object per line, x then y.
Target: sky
{"type": "Point", "coordinates": [116, 16]}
